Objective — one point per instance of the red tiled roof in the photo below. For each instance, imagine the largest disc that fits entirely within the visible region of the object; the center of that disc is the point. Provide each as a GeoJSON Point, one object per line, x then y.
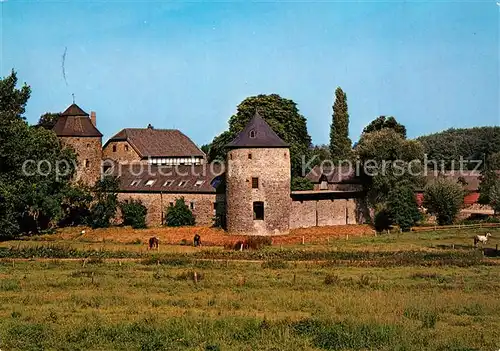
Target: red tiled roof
{"type": "Point", "coordinates": [150, 142]}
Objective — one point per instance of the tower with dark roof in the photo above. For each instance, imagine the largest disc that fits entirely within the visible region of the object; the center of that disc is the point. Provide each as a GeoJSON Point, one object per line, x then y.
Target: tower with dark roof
{"type": "Point", "coordinates": [258, 181]}
{"type": "Point", "coordinates": [76, 129]}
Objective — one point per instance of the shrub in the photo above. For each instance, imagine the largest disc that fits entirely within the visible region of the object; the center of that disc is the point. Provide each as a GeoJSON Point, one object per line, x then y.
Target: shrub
{"type": "Point", "coordinates": [76, 205]}
{"type": "Point", "coordinates": [179, 214]}
{"type": "Point", "coordinates": [382, 220]}
{"type": "Point", "coordinates": [402, 206]}
{"type": "Point", "coordinates": [134, 213]}
{"type": "Point", "coordinates": [443, 198]}
{"type": "Point", "coordinates": [104, 209]}
{"type": "Point", "coordinates": [299, 183]}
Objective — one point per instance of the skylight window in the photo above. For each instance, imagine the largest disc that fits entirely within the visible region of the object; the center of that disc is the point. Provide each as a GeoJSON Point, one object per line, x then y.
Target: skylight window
{"type": "Point", "coordinates": [150, 182]}
{"type": "Point", "coordinates": [199, 183]}
{"type": "Point", "coordinates": [168, 183]}
{"type": "Point", "coordinates": [135, 182]}
{"type": "Point", "coordinates": [182, 183]}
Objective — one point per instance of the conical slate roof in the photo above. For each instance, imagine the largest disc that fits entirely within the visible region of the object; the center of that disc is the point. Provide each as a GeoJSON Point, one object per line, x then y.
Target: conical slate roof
{"type": "Point", "coordinates": [258, 134]}
{"type": "Point", "coordinates": [74, 110]}
{"type": "Point", "coordinates": [75, 122]}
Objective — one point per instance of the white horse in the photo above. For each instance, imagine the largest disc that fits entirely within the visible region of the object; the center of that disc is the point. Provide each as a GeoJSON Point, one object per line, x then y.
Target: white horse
{"type": "Point", "coordinates": [481, 238]}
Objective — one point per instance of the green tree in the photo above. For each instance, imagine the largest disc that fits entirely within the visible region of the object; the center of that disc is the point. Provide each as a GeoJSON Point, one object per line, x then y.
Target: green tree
{"type": "Point", "coordinates": [340, 144]}
{"type": "Point", "coordinates": [495, 196]}
{"type": "Point", "coordinates": [105, 203]}
{"type": "Point", "coordinates": [487, 180]}
{"type": "Point", "coordinates": [299, 183]}
{"type": "Point", "coordinates": [179, 215]}
{"type": "Point", "coordinates": [30, 199]}
{"type": "Point", "coordinates": [402, 206]}
{"type": "Point", "coordinates": [48, 120]}
{"type": "Point", "coordinates": [384, 122]}
{"type": "Point", "coordinates": [283, 117]}
{"type": "Point", "coordinates": [76, 203]}
{"type": "Point", "coordinates": [134, 213]}
{"type": "Point", "coordinates": [388, 160]}
{"type": "Point", "coordinates": [443, 197]}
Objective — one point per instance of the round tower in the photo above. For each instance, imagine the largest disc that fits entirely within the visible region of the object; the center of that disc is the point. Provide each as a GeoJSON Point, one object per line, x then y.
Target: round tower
{"type": "Point", "coordinates": [76, 129]}
{"type": "Point", "coordinates": [258, 181]}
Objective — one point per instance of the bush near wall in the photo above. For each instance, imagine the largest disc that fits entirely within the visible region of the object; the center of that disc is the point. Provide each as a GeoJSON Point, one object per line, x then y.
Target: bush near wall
{"type": "Point", "coordinates": [179, 215]}
{"type": "Point", "coordinates": [134, 213]}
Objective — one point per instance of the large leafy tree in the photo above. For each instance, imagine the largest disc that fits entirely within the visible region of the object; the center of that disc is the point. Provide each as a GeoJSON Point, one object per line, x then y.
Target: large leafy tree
{"type": "Point", "coordinates": [48, 120]}
{"type": "Point", "coordinates": [103, 210]}
{"type": "Point", "coordinates": [443, 197]}
{"type": "Point", "coordinates": [402, 206]}
{"type": "Point", "coordinates": [384, 122]}
{"type": "Point", "coordinates": [34, 170]}
{"type": "Point", "coordinates": [283, 117]}
{"type": "Point", "coordinates": [340, 144]}
{"type": "Point", "coordinates": [387, 160]}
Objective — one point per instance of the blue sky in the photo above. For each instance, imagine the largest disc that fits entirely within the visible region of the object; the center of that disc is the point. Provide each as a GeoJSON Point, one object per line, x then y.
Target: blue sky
{"type": "Point", "coordinates": [187, 65]}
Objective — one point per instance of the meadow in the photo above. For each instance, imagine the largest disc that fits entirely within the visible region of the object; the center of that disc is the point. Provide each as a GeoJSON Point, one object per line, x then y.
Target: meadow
{"type": "Point", "coordinates": [411, 291]}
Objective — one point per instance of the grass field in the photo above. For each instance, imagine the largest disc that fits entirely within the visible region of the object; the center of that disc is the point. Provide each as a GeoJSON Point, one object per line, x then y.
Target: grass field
{"type": "Point", "coordinates": [416, 291]}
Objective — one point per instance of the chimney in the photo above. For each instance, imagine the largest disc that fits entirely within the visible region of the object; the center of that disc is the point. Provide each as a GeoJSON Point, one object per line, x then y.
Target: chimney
{"type": "Point", "coordinates": [92, 118]}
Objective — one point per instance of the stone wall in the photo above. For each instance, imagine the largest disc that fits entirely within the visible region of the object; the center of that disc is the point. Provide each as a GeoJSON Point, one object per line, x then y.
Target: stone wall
{"type": "Point", "coordinates": [272, 167]}
{"type": "Point", "coordinates": [156, 203]}
{"type": "Point", "coordinates": [326, 212]}
{"type": "Point", "coordinates": [121, 155]}
{"type": "Point", "coordinates": [89, 155]}
{"type": "Point", "coordinates": [339, 187]}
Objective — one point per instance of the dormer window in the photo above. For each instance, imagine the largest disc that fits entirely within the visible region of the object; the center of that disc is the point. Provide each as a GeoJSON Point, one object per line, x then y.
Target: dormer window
{"type": "Point", "coordinates": [252, 134]}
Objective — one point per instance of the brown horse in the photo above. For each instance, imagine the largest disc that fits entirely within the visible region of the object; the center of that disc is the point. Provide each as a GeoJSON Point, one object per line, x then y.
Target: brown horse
{"type": "Point", "coordinates": [154, 243]}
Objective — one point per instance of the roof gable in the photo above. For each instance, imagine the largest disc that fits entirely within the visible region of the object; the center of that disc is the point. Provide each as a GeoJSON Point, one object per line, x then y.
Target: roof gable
{"type": "Point", "coordinates": [257, 133]}
{"type": "Point", "coordinates": [150, 142]}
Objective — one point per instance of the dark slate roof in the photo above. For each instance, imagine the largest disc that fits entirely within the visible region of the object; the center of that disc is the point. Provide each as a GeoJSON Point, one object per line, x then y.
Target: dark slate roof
{"type": "Point", "coordinates": [334, 175]}
{"type": "Point", "coordinates": [150, 142]}
{"type": "Point", "coordinates": [75, 122]}
{"type": "Point", "coordinates": [257, 133]}
{"type": "Point", "coordinates": [74, 110]}
{"type": "Point", "coordinates": [169, 179]}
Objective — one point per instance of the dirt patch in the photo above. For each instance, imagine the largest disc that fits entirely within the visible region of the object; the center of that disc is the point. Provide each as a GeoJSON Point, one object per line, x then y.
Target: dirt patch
{"type": "Point", "coordinates": [209, 236]}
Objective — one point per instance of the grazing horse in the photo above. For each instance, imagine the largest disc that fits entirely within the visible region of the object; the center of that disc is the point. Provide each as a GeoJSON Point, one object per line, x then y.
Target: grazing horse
{"type": "Point", "coordinates": [197, 240]}
{"type": "Point", "coordinates": [154, 243]}
{"type": "Point", "coordinates": [481, 238]}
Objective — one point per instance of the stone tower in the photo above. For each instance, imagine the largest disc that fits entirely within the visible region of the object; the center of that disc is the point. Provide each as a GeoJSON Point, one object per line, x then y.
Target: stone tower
{"type": "Point", "coordinates": [258, 181]}
{"type": "Point", "coordinates": [77, 130]}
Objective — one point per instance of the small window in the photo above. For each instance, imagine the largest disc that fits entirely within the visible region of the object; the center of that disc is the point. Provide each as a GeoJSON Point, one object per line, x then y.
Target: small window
{"type": "Point", "coordinates": [215, 206]}
{"type": "Point", "coordinates": [150, 182]}
{"type": "Point", "coordinates": [87, 163]}
{"type": "Point", "coordinates": [168, 183]}
{"type": "Point", "coordinates": [135, 182]}
{"type": "Point", "coordinates": [126, 147]}
{"type": "Point", "coordinates": [249, 156]}
{"type": "Point", "coordinates": [88, 145]}
{"type": "Point", "coordinates": [114, 148]}
{"type": "Point", "coordinates": [255, 183]}
{"type": "Point", "coordinates": [191, 205]}
{"type": "Point", "coordinates": [252, 134]}
{"type": "Point", "coordinates": [199, 183]}
{"type": "Point", "coordinates": [171, 204]}
{"type": "Point", "coordinates": [258, 210]}
{"type": "Point", "coordinates": [182, 183]}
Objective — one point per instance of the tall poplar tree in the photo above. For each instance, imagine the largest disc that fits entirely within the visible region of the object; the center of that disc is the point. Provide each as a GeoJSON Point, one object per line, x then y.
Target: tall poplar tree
{"type": "Point", "coordinates": [340, 144]}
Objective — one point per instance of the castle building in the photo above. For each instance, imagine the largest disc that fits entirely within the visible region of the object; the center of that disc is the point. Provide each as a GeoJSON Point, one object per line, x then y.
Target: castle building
{"type": "Point", "coordinates": [249, 193]}
{"type": "Point", "coordinates": [77, 130]}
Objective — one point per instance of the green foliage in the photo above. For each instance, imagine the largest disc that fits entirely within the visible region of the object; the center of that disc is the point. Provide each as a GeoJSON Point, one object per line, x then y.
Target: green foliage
{"type": "Point", "coordinates": [283, 117]}
{"type": "Point", "coordinates": [318, 154]}
{"type": "Point", "coordinates": [179, 215]}
{"type": "Point", "coordinates": [387, 158]}
{"type": "Point", "coordinates": [48, 120]}
{"type": "Point", "coordinates": [383, 220]}
{"type": "Point", "coordinates": [402, 206]}
{"type": "Point", "coordinates": [299, 183]}
{"type": "Point", "coordinates": [30, 201]}
{"type": "Point", "coordinates": [76, 204]}
{"type": "Point", "coordinates": [106, 202]}
{"type": "Point", "coordinates": [487, 179]}
{"type": "Point", "coordinates": [480, 143]}
{"type": "Point", "coordinates": [340, 144]}
{"type": "Point", "coordinates": [134, 213]}
{"type": "Point", "coordinates": [443, 197]}
{"type": "Point", "coordinates": [495, 196]}
{"type": "Point", "coordinates": [384, 122]}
